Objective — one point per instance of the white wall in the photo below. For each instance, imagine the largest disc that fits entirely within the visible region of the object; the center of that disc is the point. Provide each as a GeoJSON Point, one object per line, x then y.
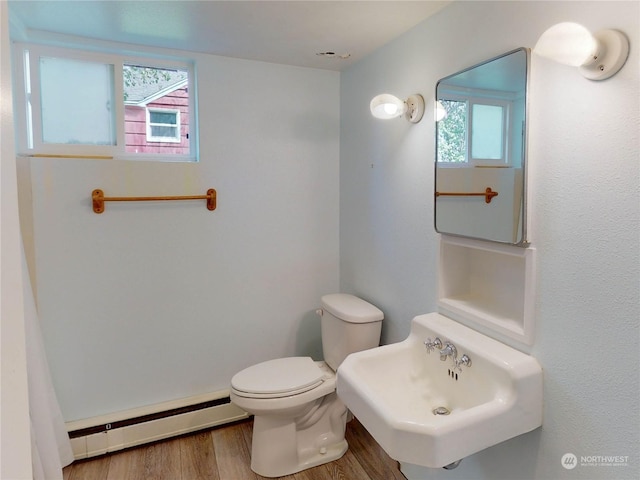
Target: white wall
{"type": "Point", "coordinates": [15, 439]}
{"type": "Point", "coordinates": [151, 302]}
{"type": "Point", "coordinates": [586, 217]}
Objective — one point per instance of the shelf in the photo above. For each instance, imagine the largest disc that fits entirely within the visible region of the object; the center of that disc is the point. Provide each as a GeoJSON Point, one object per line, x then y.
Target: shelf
{"type": "Point", "coordinates": [491, 285]}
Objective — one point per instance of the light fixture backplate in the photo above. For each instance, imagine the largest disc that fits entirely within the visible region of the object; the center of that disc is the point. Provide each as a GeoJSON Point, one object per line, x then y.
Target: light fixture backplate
{"type": "Point", "coordinates": [415, 110]}
{"type": "Point", "coordinates": [614, 50]}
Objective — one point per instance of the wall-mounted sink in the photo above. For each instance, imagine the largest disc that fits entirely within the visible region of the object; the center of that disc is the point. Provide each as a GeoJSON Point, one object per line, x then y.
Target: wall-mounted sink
{"type": "Point", "coordinates": [423, 410]}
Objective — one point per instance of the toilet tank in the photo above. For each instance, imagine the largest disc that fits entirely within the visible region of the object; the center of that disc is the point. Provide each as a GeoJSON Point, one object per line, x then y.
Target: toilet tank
{"type": "Point", "coordinates": [349, 324]}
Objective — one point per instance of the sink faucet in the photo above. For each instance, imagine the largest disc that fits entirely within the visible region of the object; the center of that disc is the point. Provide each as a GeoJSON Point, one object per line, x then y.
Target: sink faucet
{"type": "Point", "coordinates": [449, 350]}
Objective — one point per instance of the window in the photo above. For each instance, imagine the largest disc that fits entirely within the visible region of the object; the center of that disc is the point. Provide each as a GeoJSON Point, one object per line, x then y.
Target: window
{"type": "Point", "coordinates": [76, 102]}
{"type": "Point", "coordinates": [163, 125]}
{"type": "Point", "coordinates": [92, 104]}
{"type": "Point", "coordinates": [487, 132]}
{"type": "Point", "coordinates": [452, 132]}
{"type": "Point", "coordinates": [156, 110]}
{"type": "Point", "coordinates": [473, 131]}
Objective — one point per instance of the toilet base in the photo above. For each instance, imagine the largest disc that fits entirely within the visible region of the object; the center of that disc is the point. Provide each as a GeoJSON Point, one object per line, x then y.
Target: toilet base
{"type": "Point", "coordinates": [333, 452]}
{"type": "Point", "coordinates": [283, 446]}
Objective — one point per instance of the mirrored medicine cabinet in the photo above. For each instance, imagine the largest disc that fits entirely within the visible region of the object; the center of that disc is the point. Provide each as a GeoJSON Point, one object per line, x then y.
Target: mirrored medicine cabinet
{"type": "Point", "coordinates": [481, 151]}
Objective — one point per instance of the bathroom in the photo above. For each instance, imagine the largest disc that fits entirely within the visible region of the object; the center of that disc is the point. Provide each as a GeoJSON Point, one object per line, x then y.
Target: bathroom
{"type": "Point", "coordinates": [325, 198]}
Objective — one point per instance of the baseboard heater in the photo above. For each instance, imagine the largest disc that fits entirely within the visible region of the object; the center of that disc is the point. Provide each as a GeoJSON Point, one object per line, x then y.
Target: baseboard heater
{"type": "Point", "coordinates": [109, 433]}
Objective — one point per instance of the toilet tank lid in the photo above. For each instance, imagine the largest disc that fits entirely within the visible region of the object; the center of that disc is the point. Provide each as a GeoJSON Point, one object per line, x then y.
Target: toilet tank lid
{"type": "Point", "coordinates": [351, 308]}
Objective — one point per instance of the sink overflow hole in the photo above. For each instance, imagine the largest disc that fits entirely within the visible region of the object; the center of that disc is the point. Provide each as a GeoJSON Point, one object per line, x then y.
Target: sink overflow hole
{"type": "Point", "coordinates": [452, 374]}
{"type": "Point", "coordinates": [441, 411]}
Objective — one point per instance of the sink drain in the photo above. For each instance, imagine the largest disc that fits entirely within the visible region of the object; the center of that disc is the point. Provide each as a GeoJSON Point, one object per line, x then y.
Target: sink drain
{"type": "Point", "coordinates": [441, 411]}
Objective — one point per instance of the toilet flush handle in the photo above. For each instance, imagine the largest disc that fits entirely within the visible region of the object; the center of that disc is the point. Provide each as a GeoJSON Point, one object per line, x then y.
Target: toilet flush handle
{"type": "Point", "coordinates": [319, 312]}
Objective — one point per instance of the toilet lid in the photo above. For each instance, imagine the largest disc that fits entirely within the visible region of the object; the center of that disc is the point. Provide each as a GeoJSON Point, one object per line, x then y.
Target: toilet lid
{"type": "Point", "coordinates": [276, 377]}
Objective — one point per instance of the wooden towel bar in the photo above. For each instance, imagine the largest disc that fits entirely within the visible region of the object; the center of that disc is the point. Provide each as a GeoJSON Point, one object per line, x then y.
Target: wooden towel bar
{"type": "Point", "coordinates": [488, 194]}
{"type": "Point", "coordinates": [98, 198]}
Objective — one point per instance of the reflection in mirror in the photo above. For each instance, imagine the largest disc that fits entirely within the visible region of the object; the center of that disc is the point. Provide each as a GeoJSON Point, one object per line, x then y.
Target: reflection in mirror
{"type": "Point", "coordinates": [481, 149]}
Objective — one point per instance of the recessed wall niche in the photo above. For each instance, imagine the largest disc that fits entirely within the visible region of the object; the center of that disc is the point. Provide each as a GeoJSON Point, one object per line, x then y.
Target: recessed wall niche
{"type": "Point", "coordinates": [490, 285]}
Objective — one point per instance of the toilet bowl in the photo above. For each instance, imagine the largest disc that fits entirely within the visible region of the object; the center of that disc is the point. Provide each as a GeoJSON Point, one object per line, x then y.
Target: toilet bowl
{"type": "Point", "coordinates": [299, 421]}
{"type": "Point", "coordinates": [297, 428]}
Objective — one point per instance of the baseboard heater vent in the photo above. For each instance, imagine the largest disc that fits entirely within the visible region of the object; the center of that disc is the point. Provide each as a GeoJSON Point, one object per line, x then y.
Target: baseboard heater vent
{"type": "Point", "coordinates": [110, 433]}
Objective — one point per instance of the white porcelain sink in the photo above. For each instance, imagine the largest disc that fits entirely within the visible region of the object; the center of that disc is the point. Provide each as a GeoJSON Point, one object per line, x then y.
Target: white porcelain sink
{"type": "Point", "coordinates": [394, 389]}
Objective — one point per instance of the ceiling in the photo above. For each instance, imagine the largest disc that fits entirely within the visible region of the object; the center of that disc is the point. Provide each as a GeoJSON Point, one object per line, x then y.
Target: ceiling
{"type": "Point", "coordinates": [286, 32]}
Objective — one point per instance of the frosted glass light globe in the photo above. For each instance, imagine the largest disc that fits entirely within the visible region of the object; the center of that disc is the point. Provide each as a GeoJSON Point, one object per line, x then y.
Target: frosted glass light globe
{"type": "Point", "coordinates": [568, 43]}
{"type": "Point", "coordinates": [387, 106]}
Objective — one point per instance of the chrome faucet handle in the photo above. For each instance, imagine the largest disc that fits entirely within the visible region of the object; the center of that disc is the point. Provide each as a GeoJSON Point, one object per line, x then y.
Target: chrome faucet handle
{"type": "Point", "coordinates": [430, 345]}
{"type": "Point", "coordinates": [449, 350]}
{"type": "Point", "coordinates": [463, 360]}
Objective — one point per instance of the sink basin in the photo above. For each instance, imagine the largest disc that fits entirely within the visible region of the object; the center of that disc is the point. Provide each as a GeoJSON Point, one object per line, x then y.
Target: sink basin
{"type": "Point", "coordinates": [423, 411]}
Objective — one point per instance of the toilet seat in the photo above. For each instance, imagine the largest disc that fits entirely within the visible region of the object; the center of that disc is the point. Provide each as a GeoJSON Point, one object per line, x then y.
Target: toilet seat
{"type": "Point", "coordinates": [282, 377]}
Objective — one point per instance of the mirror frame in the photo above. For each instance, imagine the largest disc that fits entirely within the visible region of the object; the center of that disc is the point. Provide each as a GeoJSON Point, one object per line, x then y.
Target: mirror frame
{"type": "Point", "coordinates": [523, 241]}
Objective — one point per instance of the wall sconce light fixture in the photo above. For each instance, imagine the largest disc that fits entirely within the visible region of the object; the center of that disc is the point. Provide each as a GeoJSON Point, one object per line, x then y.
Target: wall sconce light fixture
{"type": "Point", "coordinates": [599, 56]}
{"type": "Point", "coordinates": [387, 106]}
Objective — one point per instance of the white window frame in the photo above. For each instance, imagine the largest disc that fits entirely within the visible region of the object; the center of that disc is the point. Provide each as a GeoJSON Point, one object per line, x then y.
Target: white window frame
{"type": "Point", "coordinates": [176, 138]}
{"type": "Point", "coordinates": [28, 111]}
{"type": "Point", "coordinates": [480, 97]}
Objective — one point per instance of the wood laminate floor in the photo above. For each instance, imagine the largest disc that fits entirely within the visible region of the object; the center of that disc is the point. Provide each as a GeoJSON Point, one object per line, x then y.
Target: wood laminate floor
{"type": "Point", "coordinates": [224, 454]}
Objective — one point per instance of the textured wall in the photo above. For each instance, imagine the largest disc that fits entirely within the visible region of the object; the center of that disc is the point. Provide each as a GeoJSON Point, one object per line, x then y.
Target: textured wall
{"type": "Point", "coordinates": [585, 222]}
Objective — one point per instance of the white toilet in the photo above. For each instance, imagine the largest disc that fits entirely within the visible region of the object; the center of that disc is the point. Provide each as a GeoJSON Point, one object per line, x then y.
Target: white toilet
{"type": "Point", "coordinates": [299, 421]}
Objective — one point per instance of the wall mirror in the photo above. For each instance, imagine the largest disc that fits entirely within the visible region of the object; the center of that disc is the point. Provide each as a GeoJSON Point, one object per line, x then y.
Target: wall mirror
{"type": "Point", "coordinates": [481, 150]}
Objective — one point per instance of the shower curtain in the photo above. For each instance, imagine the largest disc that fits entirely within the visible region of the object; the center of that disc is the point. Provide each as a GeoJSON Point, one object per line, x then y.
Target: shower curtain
{"type": "Point", "coordinates": [50, 445]}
